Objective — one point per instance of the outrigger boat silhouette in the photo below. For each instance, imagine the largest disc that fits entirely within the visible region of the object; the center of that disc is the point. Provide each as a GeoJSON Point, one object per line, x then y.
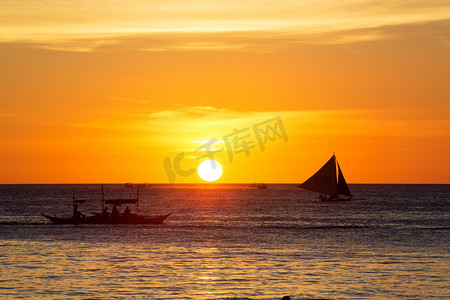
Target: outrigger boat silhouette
{"type": "Point", "coordinates": [104, 217]}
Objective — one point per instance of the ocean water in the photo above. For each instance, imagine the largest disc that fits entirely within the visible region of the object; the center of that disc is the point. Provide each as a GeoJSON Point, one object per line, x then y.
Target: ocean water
{"type": "Point", "coordinates": [228, 242]}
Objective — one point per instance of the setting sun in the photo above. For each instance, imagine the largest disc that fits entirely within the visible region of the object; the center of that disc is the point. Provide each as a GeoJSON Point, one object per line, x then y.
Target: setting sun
{"type": "Point", "coordinates": [210, 170]}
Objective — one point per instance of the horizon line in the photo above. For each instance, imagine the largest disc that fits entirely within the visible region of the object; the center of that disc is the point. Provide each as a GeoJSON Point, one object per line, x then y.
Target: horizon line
{"type": "Point", "coordinates": [205, 183]}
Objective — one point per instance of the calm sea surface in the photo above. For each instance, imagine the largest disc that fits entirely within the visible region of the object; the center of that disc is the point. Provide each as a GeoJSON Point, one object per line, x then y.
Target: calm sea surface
{"type": "Point", "coordinates": [228, 242]}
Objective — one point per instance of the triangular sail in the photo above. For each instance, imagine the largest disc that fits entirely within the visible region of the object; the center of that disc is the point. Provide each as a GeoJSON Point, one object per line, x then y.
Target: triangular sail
{"type": "Point", "coordinates": [342, 185]}
{"type": "Point", "coordinates": [329, 180]}
{"type": "Point", "coordinates": [323, 181]}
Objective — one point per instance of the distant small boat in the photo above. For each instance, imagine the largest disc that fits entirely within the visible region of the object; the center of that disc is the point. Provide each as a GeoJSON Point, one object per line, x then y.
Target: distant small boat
{"type": "Point", "coordinates": [260, 186]}
{"type": "Point", "coordinates": [130, 185]}
{"type": "Point", "coordinates": [145, 185]}
{"type": "Point", "coordinates": [329, 181]}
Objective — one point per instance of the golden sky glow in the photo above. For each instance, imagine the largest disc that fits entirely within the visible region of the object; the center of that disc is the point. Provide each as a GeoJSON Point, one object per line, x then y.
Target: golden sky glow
{"type": "Point", "coordinates": [104, 91]}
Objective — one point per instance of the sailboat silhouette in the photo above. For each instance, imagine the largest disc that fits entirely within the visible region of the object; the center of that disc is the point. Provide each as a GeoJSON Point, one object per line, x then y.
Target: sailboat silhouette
{"type": "Point", "coordinates": [329, 181]}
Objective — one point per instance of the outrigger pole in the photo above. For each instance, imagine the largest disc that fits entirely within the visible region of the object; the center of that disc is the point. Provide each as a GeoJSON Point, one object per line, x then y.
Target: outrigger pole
{"type": "Point", "coordinates": [112, 201]}
{"type": "Point", "coordinates": [75, 201]}
{"type": "Point", "coordinates": [120, 201]}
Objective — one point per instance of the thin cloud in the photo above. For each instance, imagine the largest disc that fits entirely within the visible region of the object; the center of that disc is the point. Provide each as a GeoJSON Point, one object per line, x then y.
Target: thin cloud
{"type": "Point", "coordinates": [121, 99]}
{"type": "Point", "coordinates": [253, 26]}
{"type": "Point", "coordinates": [307, 122]}
{"type": "Point", "coordinates": [243, 41]}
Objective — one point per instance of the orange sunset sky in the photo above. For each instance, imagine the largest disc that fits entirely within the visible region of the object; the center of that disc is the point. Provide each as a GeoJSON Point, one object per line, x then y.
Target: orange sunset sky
{"type": "Point", "coordinates": [105, 91]}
